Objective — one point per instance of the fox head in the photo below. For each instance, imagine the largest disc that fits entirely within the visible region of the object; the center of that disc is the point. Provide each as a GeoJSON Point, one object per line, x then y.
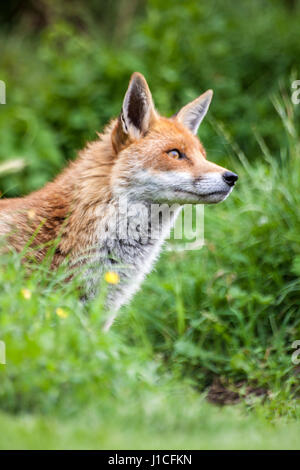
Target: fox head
{"type": "Point", "coordinates": [161, 159]}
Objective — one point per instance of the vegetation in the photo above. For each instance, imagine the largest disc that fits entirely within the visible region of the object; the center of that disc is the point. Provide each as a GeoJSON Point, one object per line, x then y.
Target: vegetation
{"type": "Point", "coordinates": [218, 322]}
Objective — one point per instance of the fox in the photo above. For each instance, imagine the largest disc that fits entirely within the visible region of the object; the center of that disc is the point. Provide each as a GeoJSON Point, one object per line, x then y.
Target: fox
{"type": "Point", "coordinates": [141, 157]}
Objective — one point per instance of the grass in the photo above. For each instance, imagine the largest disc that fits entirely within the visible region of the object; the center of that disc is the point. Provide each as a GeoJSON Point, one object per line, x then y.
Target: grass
{"type": "Point", "coordinates": [228, 312]}
{"type": "Point", "coordinates": [158, 424]}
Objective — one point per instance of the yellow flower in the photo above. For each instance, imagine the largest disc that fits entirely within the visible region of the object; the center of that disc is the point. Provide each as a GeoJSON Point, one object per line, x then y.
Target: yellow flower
{"type": "Point", "coordinates": [31, 214]}
{"type": "Point", "coordinates": [26, 294]}
{"type": "Point", "coordinates": [111, 277]}
{"type": "Point", "coordinates": [60, 312]}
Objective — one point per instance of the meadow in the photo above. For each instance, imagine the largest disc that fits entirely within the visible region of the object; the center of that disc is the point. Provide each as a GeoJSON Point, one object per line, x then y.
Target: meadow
{"type": "Point", "coordinates": [202, 357]}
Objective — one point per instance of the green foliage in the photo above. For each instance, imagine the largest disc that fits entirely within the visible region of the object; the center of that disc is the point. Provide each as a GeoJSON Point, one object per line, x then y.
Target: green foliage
{"type": "Point", "coordinates": [239, 295]}
{"type": "Point", "coordinates": [230, 310]}
{"type": "Point", "coordinates": [163, 421]}
{"type": "Point", "coordinates": [65, 82]}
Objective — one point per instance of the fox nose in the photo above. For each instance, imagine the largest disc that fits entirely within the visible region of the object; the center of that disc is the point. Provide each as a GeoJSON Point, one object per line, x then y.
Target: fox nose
{"type": "Point", "coordinates": [230, 178]}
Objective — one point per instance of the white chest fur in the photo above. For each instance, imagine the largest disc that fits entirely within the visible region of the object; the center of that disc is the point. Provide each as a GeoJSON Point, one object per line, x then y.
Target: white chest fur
{"type": "Point", "coordinates": [128, 241]}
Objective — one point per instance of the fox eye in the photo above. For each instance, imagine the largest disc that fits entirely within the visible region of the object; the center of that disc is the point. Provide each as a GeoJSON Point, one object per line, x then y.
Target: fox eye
{"type": "Point", "coordinates": [174, 153]}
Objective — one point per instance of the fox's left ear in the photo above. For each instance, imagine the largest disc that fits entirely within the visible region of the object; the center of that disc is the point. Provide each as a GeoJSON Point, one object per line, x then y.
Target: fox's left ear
{"type": "Point", "coordinates": [138, 109]}
{"type": "Point", "coordinates": [193, 113]}
{"type": "Point", "coordinates": [137, 115]}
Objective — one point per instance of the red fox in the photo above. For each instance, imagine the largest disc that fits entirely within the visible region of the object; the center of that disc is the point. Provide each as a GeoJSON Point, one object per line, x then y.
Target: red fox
{"type": "Point", "coordinates": [141, 157]}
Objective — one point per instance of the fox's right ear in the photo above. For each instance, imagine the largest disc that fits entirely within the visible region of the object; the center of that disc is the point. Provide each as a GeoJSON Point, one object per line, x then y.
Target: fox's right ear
{"type": "Point", "coordinates": [193, 113]}
{"type": "Point", "coordinates": [138, 110]}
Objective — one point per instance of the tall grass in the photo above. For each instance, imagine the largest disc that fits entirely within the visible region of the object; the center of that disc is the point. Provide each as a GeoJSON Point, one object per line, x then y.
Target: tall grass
{"type": "Point", "coordinates": [240, 293]}
{"type": "Point", "coordinates": [227, 314]}
{"type": "Point", "coordinates": [230, 310]}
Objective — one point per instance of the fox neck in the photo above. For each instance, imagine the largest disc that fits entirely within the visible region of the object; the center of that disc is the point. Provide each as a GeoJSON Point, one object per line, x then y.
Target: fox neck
{"type": "Point", "coordinates": [97, 212]}
{"type": "Point", "coordinates": [126, 238]}
{"type": "Point", "coordinates": [108, 232]}
{"type": "Point", "coordinates": [125, 246]}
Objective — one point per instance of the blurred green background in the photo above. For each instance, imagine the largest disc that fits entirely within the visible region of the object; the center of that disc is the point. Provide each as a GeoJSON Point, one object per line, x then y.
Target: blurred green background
{"type": "Point", "coordinates": [66, 66]}
{"type": "Point", "coordinates": [219, 322]}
